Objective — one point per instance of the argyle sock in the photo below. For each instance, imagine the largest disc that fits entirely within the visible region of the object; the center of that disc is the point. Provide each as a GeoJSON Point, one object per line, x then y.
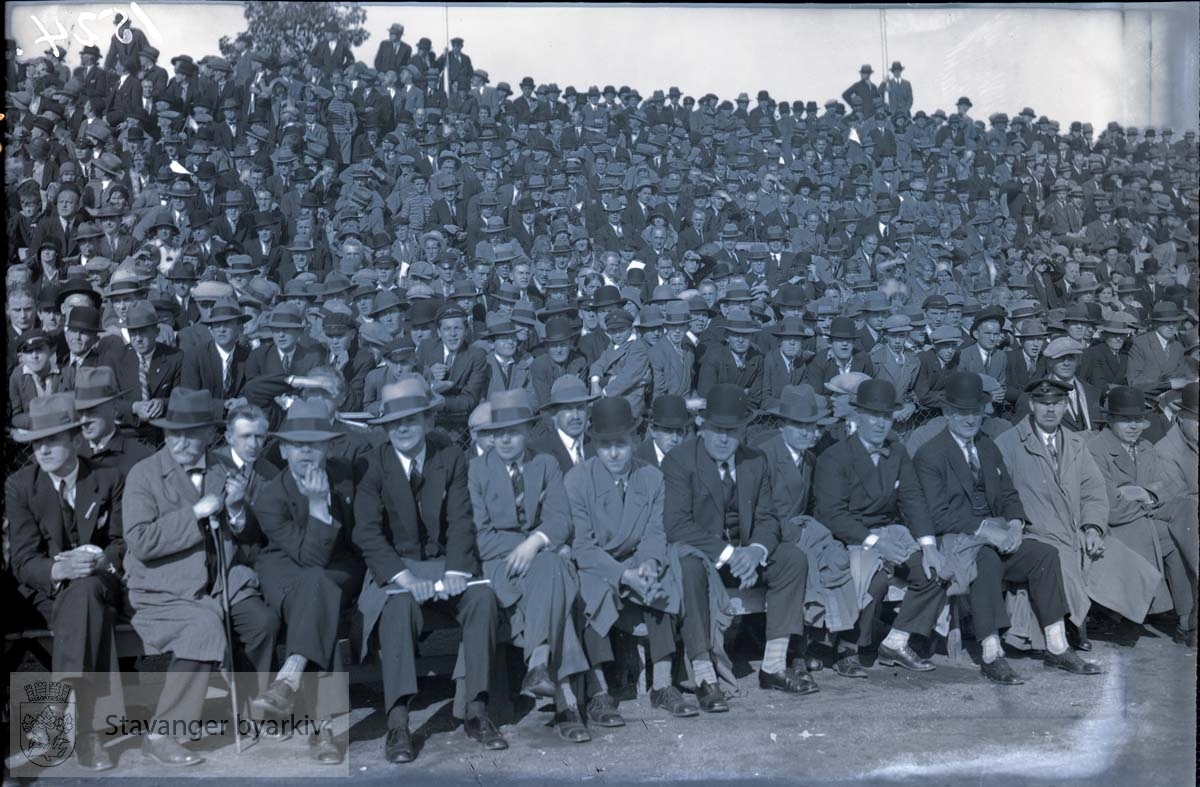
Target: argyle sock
{"type": "Point", "coordinates": [775, 655]}
{"type": "Point", "coordinates": [564, 696]}
{"type": "Point", "coordinates": [896, 639]}
{"type": "Point", "coordinates": [1056, 637]}
{"type": "Point", "coordinates": [292, 669]}
{"type": "Point", "coordinates": [596, 683]}
{"type": "Point", "coordinates": [662, 674]}
{"type": "Point", "coordinates": [703, 671]}
{"type": "Point", "coordinates": [540, 656]}
{"type": "Point", "coordinates": [991, 648]}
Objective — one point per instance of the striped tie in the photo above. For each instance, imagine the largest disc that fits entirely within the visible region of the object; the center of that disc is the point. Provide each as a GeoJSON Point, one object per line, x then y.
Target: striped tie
{"type": "Point", "coordinates": [144, 376]}
{"type": "Point", "coordinates": [518, 487]}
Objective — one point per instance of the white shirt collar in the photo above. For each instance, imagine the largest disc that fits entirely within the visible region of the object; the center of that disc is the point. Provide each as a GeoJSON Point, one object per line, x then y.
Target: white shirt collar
{"type": "Point", "coordinates": [69, 479]}
{"type": "Point", "coordinates": [658, 452]}
{"type": "Point", "coordinates": [407, 463]}
{"type": "Point", "coordinates": [795, 454]}
{"type": "Point", "coordinates": [568, 441]}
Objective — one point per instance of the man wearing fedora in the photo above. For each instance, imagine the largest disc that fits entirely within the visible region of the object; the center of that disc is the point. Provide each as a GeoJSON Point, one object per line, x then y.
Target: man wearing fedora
{"type": "Point", "coordinates": [1156, 356]}
{"type": "Point", "coordinates": [560, 357]}
{"type": "Point", "coordinates": [1177, 454]}
{"type": "Point", "coordinates": [739, 363]}
{"type": "Point", "coordinates": [418, 540]}
{"type": "Point", "coordinates": [522, 521]}
{"type": "Point", "coordinates": [620, 548]}
{"type": "Point", "coordinates": [1138, 513]}
{"type": "Point", "coordinates": [147, 371]}
{"type": "Point", "coordinates": [311, 571]}
{"type": "Point", "coordinates": [840, 358]}
{"type": "Point", "coordinates": [739, 547]}
{"type": "Point", "coordinates": [457, 371]}
{"type": "Point", "coordinates": [1105, 363]}
{"type": "Point", "coordinates": [896, 91]}
{"type": "Point", "coordinates": [1061, 359]}
{"type": "Point", "coordinates": [508, 367]}
{"type": "Point", "coordinates": [218, 366]}
{"type": "Point", "coordinates": [670, 424]}
{"type": "Point", "coordinates": [178, 509]}
{"type": "Point", "coordinates": [564, 438]}
{"type": "Point", "coordinates": [393, 54]}
{"type": "Point", "coordinates": [1072, 513]}
{"type": "Point", "coordinates": [672, 357]}
{"type": "Point", "coordinates": [623, 368]}
{"type": "Point", "coordinates": [868, 495]}
{"type": "Point", "coordinates": [65, 524]}
{"type": "Point", "coordinates": [1023, 359]}
{"type": "Point", "coordinates": [976, 511]}
{"type": "Point", "coordinates": [103, 444]}
{"type": "Point", "coordinates": [984, 355]}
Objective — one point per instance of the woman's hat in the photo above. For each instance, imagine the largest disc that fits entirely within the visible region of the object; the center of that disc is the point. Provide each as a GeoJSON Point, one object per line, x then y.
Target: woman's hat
{"type": "Point", "coordinates": [189, 409]}
{"type": "Point", "coordinates": [877, 397]}
{"type": "Point", "coordinates": [48, 415]}
{"type": "Point", "coordinates": [407, 396]}
{"type": "Point", "coordinates": [308, 421]}
{"type": "Point", "coordinates": [509, 408]}
{"type": "Point", "coordinates": [727, 407]}
{"type": "Point", "coordinates": [612, 418]}
{"type": "Point", "coordinates": [802, 404]}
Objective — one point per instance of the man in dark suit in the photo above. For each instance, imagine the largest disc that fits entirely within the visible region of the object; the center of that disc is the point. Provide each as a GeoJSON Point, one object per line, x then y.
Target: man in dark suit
{"type": "Point", "coordinates": [418, 540]}
{"type": "Point", "coordinates": [738, 363]}
{"type": "Point", "coordinates": [457, 372]}
{"type": "Point", "coordinates": [864, 483]}
{"type": "Point", "coordinates": [272, 362]}
{"type": "Point", "coordinates": [147, 370]}
{"type": "Point", "coordinates": [840, 358]}
{"type": "Point", "coordinates": [1061, 359]}
{"type": "Point", "coordinates": [982, 355]}
{"type": "Point", "coordinates": [103, 445]}
{"type": "Point", "coordinates": [1023, 359]}
{"type": "Point", "coordinates": [331, 54]}
{"type": "Point", "coordinates": [972, 498]}
{"type": "Point", "coordinates": [897, 92]}
{"type": "Point", "coordinates": [670, 425]}
{"type": "Point", "coordinates": [564, 437]}
{"type": "Point", "coordinates": [739, 546]}
{"type": "Point", "coordinates": [310, 570]}
{"type": "Point", "coordinates": [1156, 356]}
{"type": "Point", "coordinates": [218, 366]}
{"type": "Point", "coordinates": [393, 54]}
{"type": "Point", "coordinates": [866, 93]}
{"type": "Point", "coordinates": [64, 519]}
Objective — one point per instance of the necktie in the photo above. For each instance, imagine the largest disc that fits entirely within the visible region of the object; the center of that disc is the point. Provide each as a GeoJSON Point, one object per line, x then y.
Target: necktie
{"type": "Point", "coordinates": [1133, 454]}
{"type": "Point", "coordinates": [64, 500]}
{"type": "Point", "coordinates": [415, 480]}
{"type": "Point", "coordinates": [973, 461]}
{"type": "Point", "coordinates": [144, 376]}
{"type": "Point", "coordinates": [987, 359]}
{"type": "Point", "coordinates": [518, 487]}
{"type": "Point", "coordinates": [727, 482]}
{"type": "Point", "coordinates": [621, 487]}
{"type": "Point", "coordinates": [1052, 447]}
{"type": "Point", "coordinates": [739, 360]}
{"type": "Point", "coordinates": [577, 452]}
{"type": "Point", "coordinates": [226, 374]}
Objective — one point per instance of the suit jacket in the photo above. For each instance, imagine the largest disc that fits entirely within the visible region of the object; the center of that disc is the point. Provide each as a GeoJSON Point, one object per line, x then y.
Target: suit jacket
{"type": "Point", "coordinates": [1101, 368]}
{"type": "Point", "coordinates": [695, 499]}
{"type": "Point", "coordinates": [718, 366]}
{"type": "Point", "coordinates": [897, 94]}
{"type": "Point", "coordinates": [1017, 375]}
{"type": "Point", "coordinates": [119, 455]}
{"type": "Point", "coordinates": [329, 61]}
{"type": "Point", "coordinates": [264, 361]}
{"type": "Point", "coordinates": [468, 375]}
{"type": "Point", "coordinates": [546, 441]}
{"type": "Point", "coordinates": [493, 503]}
{"type": "Point", "coordinates": [392, 528]}
{"type": "Point", "coordinates": [624, 371]}
{"type": "Point", "coordinates": [853, 495]}
{"type": "Point", "coordinates": [297, 540]}
{"type": "Point", "coordinates": [38, 527]}
{"type": "Point", "coordinates": [1089, 398]}
{"type": "Point", "coordinates": [1149, 364]}
{"type": "Point", "coordinates": [823, 368]}
{"type": "Point", "coordinates": [165, 373]}
{"type": "Point", "coordinates": [671, 370]}
{"type": "Point", "coordinates": [202, 370]}
{"type": "Point", "coordinates": [775, 375]}
{"type": "Point", "coordinates": [902, 375]}
{"type": "Point", "coordinates": [392, 57]}
{"type": "Point", "coordinates": [948, 484]}
{"type": "Point", "coordinates": [791, 485]}
{"type": "Point", "coordinates": [968, 359]}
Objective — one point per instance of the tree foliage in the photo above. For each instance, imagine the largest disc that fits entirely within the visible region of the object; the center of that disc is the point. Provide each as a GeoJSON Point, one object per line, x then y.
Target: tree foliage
{"type": "Point", "coordinates": [295, 28]}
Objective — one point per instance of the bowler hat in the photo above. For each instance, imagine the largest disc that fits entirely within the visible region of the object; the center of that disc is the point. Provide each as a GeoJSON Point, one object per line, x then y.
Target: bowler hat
{"type": "Point", "coordinates": [509, 408]}
{"type": "Point", "coordinates": [48, 415]}
{"type": "Point", "coordinates": [842, 328]}
{"type": "Point", "coordinates": [1126, 402]}
{"type": "Point", "coordinates": [407, 396]}
{"type": "Point", "coordinates": [670, 412]}
{"type": "Point", "coordinates": [1189, 401]}
{"type": "Point", "coordinates": [308, 421]}
{"type": "Point", "coordinates": [802, 404]}
{"type": "Point", "coordinates": [612, 418]}
{"type": "Point", "coordinates": [991, 313]}
{"type": "Point", "coordinates": [727, 407]}
{"type": "Point", "coordinates": [964, 391]}
{"type": "Point", "coordinates": [188, 409]}
{"type": "Point", "coordinates": [876, 396]}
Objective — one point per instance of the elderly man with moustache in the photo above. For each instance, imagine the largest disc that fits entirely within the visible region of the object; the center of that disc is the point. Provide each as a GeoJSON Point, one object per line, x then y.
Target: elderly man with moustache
{"type": "Point", "coordinates": [64, 519]}
{"type": "Point", "coordinates": [418, 540]}
{"type": "Point", "coordinates": [565, 438]}
{"type": "Point", "coordinates": [977, 513]}
{"type": "Point", "coordinates": [620, 549]}
{"type": "Point", "coordinates": [178, 508]}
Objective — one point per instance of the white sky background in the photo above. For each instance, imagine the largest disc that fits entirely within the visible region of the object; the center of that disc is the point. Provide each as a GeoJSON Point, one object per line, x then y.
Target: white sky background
{"type": "Point", "coordinates": [1094, 65]}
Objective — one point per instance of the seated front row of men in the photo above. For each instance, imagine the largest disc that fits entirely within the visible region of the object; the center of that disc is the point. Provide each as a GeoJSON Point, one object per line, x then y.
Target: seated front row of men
{"type": "Point", "coordinates": [647, 535]}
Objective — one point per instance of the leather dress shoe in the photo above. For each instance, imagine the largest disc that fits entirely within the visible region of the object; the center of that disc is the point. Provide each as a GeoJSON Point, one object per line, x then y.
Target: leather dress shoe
{"type": "Point", "coordinates": [791, 681]}
{"type": "Point", "coordinates": [850, 667]}
{"type": "Point", "coordinates": [1078, 636]}
{"type": "Point", "coordinates": [673, 702]}
{"type": "Point", "coordinates": [711, 698]}
{"type": "Point", "coordinates": [1069, 662]}
{"type": "Point", "coordinates": [165, 750]}
{"type": "Point", "coordinates": [1185, 637]}
{"type": "Point", "coordinates": [481, 728]}
{"type": "Point", "coordinates": [1000, 672]}
{"type": "Point", "coordinates": [602, 711]}
{"type": "Point", "coordinates": [278, 699]}
{"type": "Point", "coordinates": [903, 657]}
{"type": "Point", "coordinates": [537, 683]}
{"type": "Point", "coordinates": [91, 754]}
{"type": "Point", "coordinates": [398, 746]}
{"type": "Point", "coordinates": [323, 748]}
{"type": "Point", "coordinates": [570, 726]}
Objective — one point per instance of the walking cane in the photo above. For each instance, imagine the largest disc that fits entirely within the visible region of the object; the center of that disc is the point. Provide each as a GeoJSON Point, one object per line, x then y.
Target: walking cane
{"type": "Point", "coordinates": [233, 693]}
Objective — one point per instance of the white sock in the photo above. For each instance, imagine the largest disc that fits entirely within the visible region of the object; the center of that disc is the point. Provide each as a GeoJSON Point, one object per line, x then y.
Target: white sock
{"type": "Point", "coordinates": [662, 674]}
{"type": "Point", "coordinates": [540, 656]}
{"type": "Point", "coordinates": [991, 648]}
{"type": "Point", "coordinates": [896, 639]}
{"type": "Point", "coordinates": [1056, 637]}
{"type": "Point", "coordinates": [704, 672]}
{"type": "Point", "coordinates": [775, 655]}
{"type": "Point", "coordinates": [292, 669]}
